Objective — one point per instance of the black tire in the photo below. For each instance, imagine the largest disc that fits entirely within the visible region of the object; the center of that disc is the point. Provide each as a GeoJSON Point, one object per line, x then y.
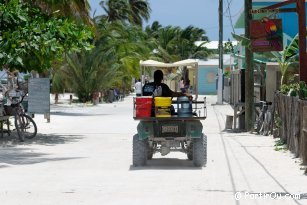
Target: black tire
{"type": "Point", "coordinates": [139, 151]}
{"type": "Point", "coordinates": [259, 123]}
{"type": "Point", "coordinates": [266, 126]}
{"type": "Point", "coordinates": [200, 151]}
{"type": "Point", "coordinates": [26, 127]}
{"type": "Point", "coordinates": [150, 152]}
{"type": "Point", "coordinates": [18, 126]}
{"type": "Point", "coordinates": [149, 155]}
{"type": "Point", "coordinates": [190, 152]}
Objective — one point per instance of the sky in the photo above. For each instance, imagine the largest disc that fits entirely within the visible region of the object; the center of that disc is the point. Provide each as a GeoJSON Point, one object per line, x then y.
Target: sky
{"type": "Point", "coordinates": [198, 13]}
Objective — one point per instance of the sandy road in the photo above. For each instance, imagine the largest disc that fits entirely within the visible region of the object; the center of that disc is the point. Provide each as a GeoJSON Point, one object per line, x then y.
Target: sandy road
{"type": "Point", "coordinates": [84, 157]}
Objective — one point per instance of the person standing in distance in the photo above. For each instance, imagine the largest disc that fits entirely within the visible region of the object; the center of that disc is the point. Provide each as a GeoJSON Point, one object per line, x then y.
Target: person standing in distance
{"type": "Point", "coordinates": [138, 88]}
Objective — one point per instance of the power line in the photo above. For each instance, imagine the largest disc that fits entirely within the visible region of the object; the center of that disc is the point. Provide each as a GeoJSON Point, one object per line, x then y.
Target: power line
{"type": "Point", "coordinates": [229, 16]}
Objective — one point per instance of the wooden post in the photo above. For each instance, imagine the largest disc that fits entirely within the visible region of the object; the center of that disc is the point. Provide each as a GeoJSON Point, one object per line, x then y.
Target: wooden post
{"type": "Point", "coordinates": [304, 136]}
{"type": "Point", "coordinates": [300, 4]}
{"type": "Point", "coordinates": [249, 72]}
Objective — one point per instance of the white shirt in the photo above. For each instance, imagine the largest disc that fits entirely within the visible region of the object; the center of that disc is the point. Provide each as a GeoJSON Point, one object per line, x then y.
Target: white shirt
{"type": "Point", "coordinates": [138, 88]}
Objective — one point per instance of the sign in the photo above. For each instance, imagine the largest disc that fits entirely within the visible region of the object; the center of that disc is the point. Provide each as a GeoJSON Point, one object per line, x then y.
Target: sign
{"type": "Point", "coordinates": [39, 95]}
{"type": "Point", "coordinates": [259, 11]}
{"type": "Point", "coordinates": [266, 35]}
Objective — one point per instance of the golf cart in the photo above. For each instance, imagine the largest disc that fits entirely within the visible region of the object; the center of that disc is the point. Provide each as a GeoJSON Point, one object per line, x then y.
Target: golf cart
{"type": "Point", "coordinates": [167, 125]}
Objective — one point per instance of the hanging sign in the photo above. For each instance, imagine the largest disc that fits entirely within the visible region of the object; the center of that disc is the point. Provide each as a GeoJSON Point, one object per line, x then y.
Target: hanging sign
{"type": "Point", "coordinates": [266, 35]}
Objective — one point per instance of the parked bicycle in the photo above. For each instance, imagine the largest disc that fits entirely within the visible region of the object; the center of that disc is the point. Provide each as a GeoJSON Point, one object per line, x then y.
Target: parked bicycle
{"type": "Point", "coordinates": [263, 121]}
{"type": "Point", "coordinates": [14, 95]}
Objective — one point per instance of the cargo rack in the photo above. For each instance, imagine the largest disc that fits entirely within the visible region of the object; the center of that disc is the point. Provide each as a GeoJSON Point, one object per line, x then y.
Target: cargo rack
{"type": "Point", "coordinates": [199, 112]}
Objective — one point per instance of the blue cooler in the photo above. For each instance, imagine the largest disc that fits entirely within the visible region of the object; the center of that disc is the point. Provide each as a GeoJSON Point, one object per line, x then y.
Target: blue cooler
{"type": "Point", "coordinates": [184, 107]}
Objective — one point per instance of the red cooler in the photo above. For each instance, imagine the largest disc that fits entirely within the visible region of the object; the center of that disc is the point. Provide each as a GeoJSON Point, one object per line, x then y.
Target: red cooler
{"type": "Point", "coordinates": [143, 106]}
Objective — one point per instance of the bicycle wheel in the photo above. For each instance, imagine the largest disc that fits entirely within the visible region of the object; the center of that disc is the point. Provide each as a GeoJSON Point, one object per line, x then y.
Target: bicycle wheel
{"type": "Point", "coordinates": [267, 124]}
{"type": "Point", "coordinates": [26, 126]}
{"type": "Point", "coordinates": [18, 126]}
{"type": "Point", "coordinates": [259, 123]}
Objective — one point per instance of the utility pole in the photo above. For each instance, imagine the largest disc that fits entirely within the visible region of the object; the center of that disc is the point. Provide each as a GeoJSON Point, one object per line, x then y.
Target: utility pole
{"type": "Point", "coordinates": [300, 5]}
{"type": "Point", "coordinates": [220, 70]}
{"type": "Point", "coordinates": [249, 72]}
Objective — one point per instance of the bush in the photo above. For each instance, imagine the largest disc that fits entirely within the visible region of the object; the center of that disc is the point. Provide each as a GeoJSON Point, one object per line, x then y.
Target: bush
{"type": "Point", "coordinates": [295, 89]}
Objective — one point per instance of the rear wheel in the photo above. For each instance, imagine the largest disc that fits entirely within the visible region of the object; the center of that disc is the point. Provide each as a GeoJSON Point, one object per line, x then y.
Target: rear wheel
{"type": "Point", "coordinates": [266, 126]}
{"type": "Point", "coordinates": [190, 151]}
{"type": "Point", "coordinates": [150, 152]}
{"type": "Point", "coordinates": [139, 151]}
{"type": "Point", "coordinates": [200, 151]}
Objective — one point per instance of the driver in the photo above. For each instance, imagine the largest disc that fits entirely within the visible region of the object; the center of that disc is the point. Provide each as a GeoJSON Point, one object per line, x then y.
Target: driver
{"type": "Point", "coordinates": [157, 88]}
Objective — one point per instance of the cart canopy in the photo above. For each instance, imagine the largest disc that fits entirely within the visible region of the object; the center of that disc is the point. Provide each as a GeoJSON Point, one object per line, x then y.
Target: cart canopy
{"type": "Point", "coordinates": [157, 64]}
{"type": "Point", "coordinates": [188, 63]}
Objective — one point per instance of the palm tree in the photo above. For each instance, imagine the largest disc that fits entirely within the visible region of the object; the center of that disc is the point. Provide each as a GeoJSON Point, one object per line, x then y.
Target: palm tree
{"type": "Point", "coordinates": [132, 11]}
{"type": "Point", "coordinates": [287, 57]}
{"type": "Point", "coordinates": [153, 30]}
{"type": "Point", "coordinates": [113, 62]}
{"type": "Point", "coordinates": [186, 43]}
{"type": "Point", "coordinates": [116, 10]}
{"type": "Point", "coordinates": [139, 11]}
{"type": "Point", "coordinates": [176, 44]}
{"type": "Point", "coordinates": [76, 9]}
{"type": "Point", "coordinates": [86, 75]}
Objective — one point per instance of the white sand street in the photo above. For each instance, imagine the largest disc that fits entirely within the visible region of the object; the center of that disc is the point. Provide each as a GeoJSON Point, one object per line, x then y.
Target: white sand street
{"type": "Point", "coordinates": [83, 157]}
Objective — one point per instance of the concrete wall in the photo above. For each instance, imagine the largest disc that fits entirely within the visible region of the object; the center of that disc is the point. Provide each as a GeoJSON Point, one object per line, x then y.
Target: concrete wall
{"type": "Point", "coordinates": [207, 80]}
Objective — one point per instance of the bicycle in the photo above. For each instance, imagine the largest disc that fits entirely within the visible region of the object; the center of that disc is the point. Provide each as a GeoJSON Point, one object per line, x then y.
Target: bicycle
{"type": "Point", "coordinates": [24, 124]}
{"type": "Point", "coordinates": [263, 121]}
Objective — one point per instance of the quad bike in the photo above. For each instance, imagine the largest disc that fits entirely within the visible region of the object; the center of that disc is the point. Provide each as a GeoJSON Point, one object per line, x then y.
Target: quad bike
{"type": "Point", "coordinates": [181, 130]}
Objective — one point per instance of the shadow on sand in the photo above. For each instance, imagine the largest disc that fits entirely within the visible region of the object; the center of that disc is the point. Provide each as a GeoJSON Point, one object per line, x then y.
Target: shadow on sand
{"type": "Point", "coordinates": [167, 164]}
{"type": "Point", "coordinates": [13, 152]}
{"type": "Point", "coordinates": [75, 114]}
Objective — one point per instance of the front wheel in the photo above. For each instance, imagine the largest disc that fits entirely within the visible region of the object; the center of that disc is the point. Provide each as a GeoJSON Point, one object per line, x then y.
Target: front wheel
{"type": "Point", "coordinates": [25, 126]}
{"type": "Point", "coordinates": [200, 151]}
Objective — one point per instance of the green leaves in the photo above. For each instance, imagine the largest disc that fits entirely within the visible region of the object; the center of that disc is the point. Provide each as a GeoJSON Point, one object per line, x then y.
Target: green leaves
{"type": "Point", "coordinates": [174, 43]}
{"type": "Point", "coordinates": [242, 39]}
{"type": "Point", "coordinates": [32, 40]}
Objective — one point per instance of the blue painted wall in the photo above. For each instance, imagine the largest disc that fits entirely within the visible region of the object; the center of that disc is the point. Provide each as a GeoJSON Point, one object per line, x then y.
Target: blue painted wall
{"type": "Point", "coordinates": [289, 20]}
{"type": "Point", "coordinates": [207, 80]}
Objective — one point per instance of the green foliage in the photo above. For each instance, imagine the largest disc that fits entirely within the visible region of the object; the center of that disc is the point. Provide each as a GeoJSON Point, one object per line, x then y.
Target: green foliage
{"type": "Point", "coordinates": [32, 40]}
{"type": "Point", "coordinates": [73, 9]}
{"type": "Point", "coordinates": [228, 47]}
{"type": "Point", "coordinates": [174, 43]}
{"type": "Point", "coordinates": [280, 145]}
{"type": "Point", "coordinates": [295, 89]}
{"type": "Point", "coordinates": [284, 58]}
{"type": "Point", "coordinates": [112, 63]}
{"type": "Point", "coordinates": [278, 122]}
{"type": "Point", "coordinates": [132, 11]}
{"type": "Point", "coordinates": [242, 39]}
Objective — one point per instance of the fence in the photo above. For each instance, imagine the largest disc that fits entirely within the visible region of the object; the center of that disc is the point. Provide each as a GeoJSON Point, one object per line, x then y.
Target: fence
{"type": "Point", "coordinates": [292, 113]}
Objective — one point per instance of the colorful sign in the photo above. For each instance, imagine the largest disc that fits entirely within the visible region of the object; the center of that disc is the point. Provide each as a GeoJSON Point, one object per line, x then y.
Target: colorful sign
{"type": "Point", "coordinates": [266, 35]}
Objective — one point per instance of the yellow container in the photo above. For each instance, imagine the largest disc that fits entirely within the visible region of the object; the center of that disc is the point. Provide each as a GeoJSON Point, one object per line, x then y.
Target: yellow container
{"type": "Point", "coordinates": [163, 101]}
{"type": "Point", "coordinates": [163, 106]}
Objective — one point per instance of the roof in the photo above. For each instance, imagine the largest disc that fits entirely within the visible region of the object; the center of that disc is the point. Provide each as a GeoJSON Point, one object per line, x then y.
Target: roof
{"type": "Point", "coordinates": [214, 45]}
{"type": "Point", "coordinates": [227, 60]}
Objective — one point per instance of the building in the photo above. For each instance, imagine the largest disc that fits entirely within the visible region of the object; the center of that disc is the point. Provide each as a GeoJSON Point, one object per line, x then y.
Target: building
{"type": "Point", "coordinates": [207, 73]}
